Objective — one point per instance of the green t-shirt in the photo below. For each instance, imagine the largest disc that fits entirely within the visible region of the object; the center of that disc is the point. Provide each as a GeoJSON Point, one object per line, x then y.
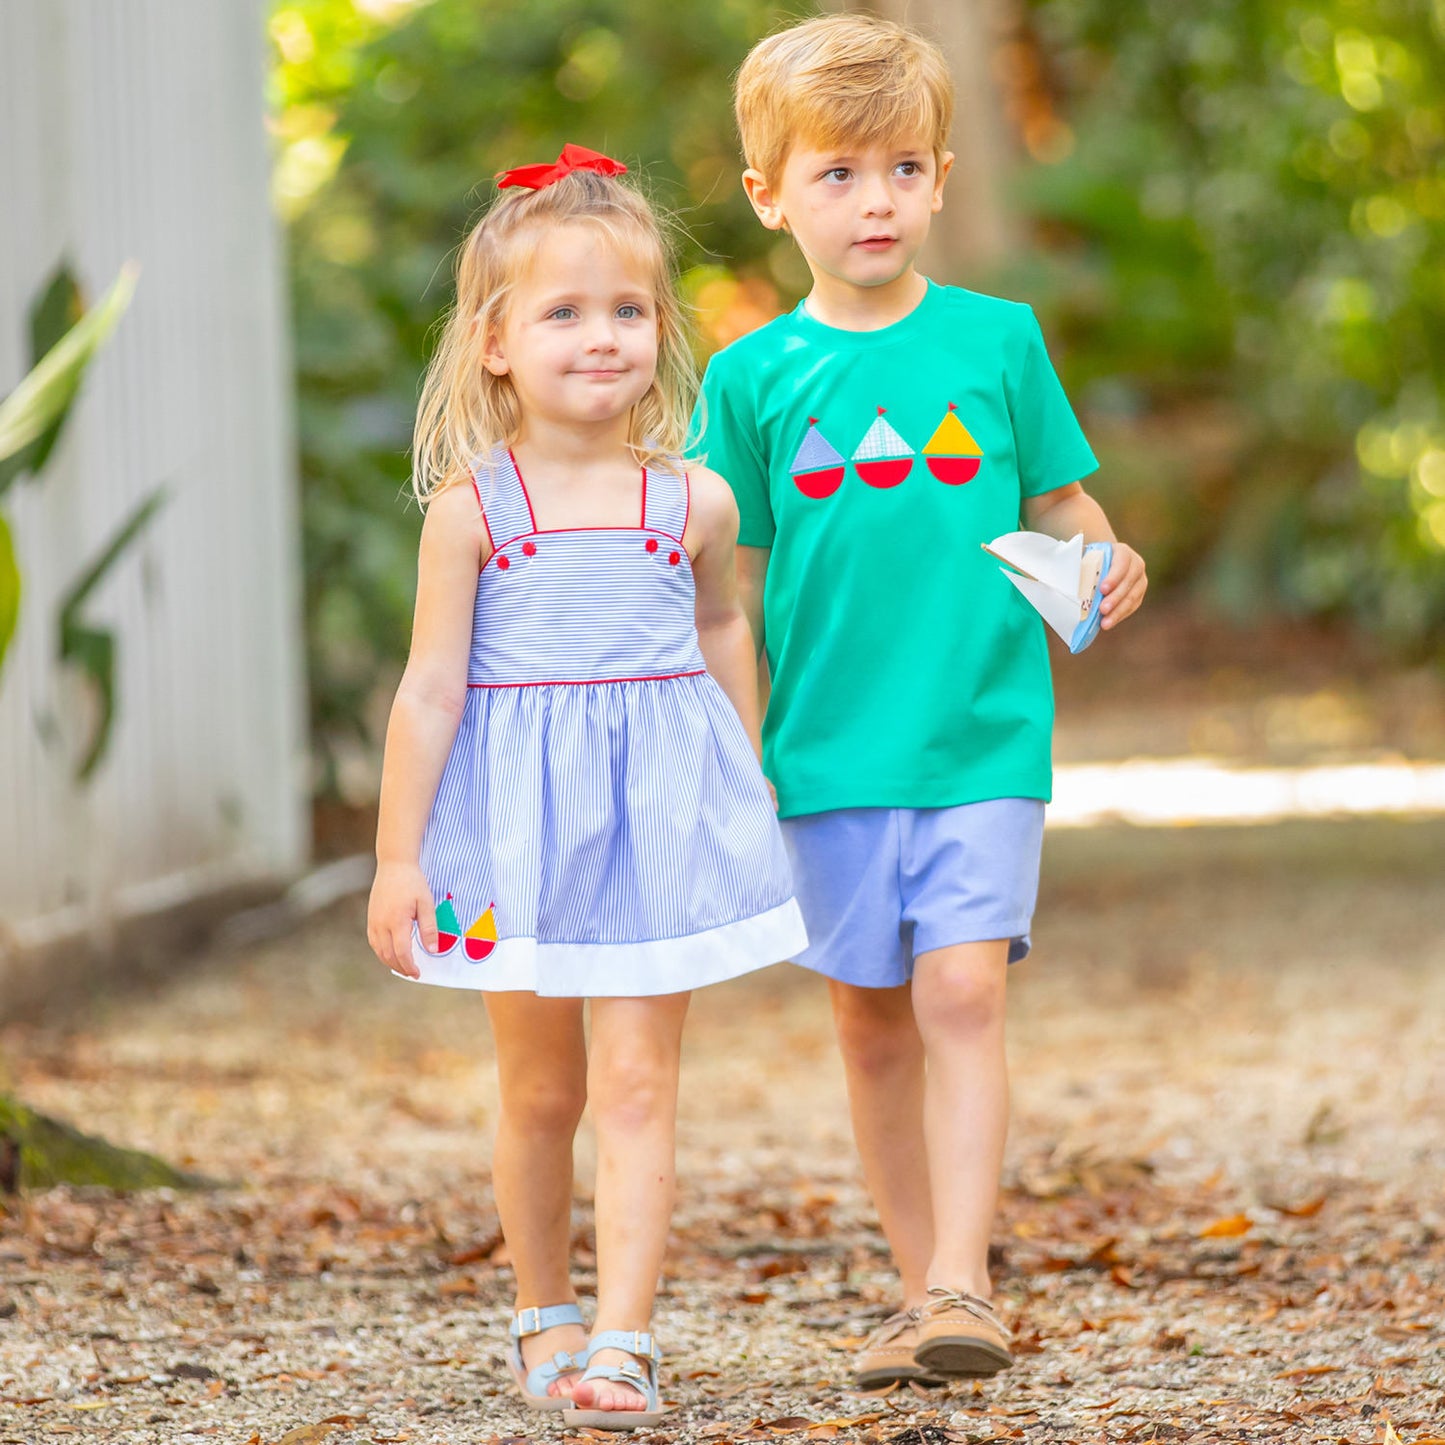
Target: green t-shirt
{"type": "Point", "coordinates": [906, 671]}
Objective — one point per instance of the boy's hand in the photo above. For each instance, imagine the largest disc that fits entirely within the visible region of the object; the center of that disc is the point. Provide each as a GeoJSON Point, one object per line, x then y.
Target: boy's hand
{"type": "Point", "coordinates": [1124, 587]}
{"type": "Point", "coordinates": [399, 897]}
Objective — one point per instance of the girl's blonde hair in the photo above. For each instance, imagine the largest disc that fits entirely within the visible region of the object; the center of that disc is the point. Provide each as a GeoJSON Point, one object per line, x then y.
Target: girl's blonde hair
{"type": "Point", "coordinates": [466, 410]}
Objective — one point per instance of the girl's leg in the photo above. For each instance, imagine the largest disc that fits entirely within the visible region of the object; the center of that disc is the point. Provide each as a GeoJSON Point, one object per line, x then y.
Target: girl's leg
{"type": "Point", "coordinates": [542, 1076]}
{"type": "Point", "coordinates": [883, 1061]}
{"type": "Point", "coordinates": [632, 1085]}
{"type": "Point", "coordinates": [958, 1000]}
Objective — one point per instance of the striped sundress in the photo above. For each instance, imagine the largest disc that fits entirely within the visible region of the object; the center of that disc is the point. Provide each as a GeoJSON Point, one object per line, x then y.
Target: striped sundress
{"type": "Point", "coordinates": [602, 827]}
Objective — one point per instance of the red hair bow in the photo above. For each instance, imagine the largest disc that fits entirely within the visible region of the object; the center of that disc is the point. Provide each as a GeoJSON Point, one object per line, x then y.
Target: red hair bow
{"type": "Point", "coordinates": [573, 158]}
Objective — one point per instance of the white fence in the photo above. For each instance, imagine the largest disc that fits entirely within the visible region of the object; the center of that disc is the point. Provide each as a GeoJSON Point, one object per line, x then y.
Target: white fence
{"type": "Point", "coordinates": [134, 129]}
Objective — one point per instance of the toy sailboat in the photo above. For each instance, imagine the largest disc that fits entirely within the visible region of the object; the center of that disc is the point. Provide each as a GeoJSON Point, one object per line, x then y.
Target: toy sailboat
{"type": "Point", "coordinates": [1060, 579]}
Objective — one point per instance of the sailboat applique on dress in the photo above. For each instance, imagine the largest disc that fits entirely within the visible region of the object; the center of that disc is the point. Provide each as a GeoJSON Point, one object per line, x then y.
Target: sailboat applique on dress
{"type": "Point", "coordinates": [882, 458]}
{"type": "Point", "coordinates": [480, 939]}
{"type": "Point", "coordinates": [818, 468]}
{"type": "Point", "coordinates": [951, 452]}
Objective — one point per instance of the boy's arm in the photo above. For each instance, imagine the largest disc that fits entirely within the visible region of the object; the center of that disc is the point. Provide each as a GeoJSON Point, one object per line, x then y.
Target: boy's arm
{"type": "Point", "coordinates": [1066, 511]}
{"type": "Point", "coordinates": [723, 629]}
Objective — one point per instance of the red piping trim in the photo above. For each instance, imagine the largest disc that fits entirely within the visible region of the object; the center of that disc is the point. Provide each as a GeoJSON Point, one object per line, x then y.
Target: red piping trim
{"type": "Point", "coordinates": [592, 681]}
{"type": "Point", "coordinates": [481, 507]}
{"type": "Point", "coordinates": [526, 495]}
{"type": "Point", "coordinates": [567, 531]}
{"type": "Point", "coordinates": [687, 504]}
{"type": "Point", "coordinates": [643, 522]}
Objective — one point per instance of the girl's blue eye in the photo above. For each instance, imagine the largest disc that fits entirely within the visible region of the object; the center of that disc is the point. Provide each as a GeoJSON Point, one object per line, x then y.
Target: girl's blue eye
{"type": "Point", "coordinates": [630, 311]}
{"type": "Point", "coordinates": [563, 313]}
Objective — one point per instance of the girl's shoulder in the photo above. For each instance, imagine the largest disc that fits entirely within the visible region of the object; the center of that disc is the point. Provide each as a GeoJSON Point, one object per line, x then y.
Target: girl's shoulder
{"type": "Point", "coordinates": [454, 519]}
{"type": "Point", "coordinates": [713, 506]}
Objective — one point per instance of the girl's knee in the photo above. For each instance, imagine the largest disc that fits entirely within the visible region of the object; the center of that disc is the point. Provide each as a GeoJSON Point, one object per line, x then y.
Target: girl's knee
{"type": "Point", "coordinates": [545, 1106]}
{"type": "Point", "coordinates": [633, 1089]}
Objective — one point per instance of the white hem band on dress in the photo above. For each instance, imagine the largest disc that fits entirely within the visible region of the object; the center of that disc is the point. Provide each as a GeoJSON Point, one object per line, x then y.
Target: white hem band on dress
{"type": "Point", "coordinates": [660, 966]}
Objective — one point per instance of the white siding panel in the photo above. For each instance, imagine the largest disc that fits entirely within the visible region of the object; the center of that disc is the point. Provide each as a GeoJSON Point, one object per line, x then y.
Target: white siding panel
{"type": "Point", "coordinates": [135, 131]}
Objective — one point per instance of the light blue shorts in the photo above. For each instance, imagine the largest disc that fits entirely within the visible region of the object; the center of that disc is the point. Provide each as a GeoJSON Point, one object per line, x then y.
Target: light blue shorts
{"type": "Point", "coordinates": [879, 886]}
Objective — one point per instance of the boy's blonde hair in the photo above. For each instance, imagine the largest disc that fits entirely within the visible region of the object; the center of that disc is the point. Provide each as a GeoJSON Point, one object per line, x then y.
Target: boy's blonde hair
{"type": "Point", "coordinates": [466, 410]}
{"type": "Point", "coordinates": [840, 80]}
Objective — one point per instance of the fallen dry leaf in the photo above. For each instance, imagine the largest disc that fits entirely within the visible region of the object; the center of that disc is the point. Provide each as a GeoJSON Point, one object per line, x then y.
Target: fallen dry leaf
{"type": "Point", "coordinates": [1227, 1228]}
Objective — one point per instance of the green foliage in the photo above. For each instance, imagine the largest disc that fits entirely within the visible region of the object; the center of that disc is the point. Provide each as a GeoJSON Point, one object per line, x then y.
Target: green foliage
{"type": "Point", "coordinates": [1245, 253]}
{"type": "Point", "coordinates": [63, 337]}
{"type": "Point", "coordinates": [391, 130]}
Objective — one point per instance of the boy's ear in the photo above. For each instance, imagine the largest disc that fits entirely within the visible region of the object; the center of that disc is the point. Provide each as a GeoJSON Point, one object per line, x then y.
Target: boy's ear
{"type": "Point", "coordinates": [764, 202]}
{"type": "Point", "coordinates": [945, 164]}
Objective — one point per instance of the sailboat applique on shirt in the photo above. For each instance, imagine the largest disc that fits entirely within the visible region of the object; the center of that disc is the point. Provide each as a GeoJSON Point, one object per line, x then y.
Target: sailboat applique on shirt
{"type": "Point", "coordinates": [951, 453]}
{"type": "Point", "coordinates": [882, 458]}
{"type": "Point", "coordinates": [818, 468]}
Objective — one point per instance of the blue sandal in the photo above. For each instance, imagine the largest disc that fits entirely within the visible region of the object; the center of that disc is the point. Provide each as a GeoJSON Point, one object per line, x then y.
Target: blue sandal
{"type": "Point", "coordinates": [641, 1377]}
{"type": "Point", "coordinates": [533, 1383]}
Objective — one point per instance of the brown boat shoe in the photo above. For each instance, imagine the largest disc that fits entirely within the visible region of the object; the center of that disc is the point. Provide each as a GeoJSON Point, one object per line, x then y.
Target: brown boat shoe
{"type": "Point", "coordinates": [887, 1355]}
{"type": "Point", "coordinates": [960, 1337]}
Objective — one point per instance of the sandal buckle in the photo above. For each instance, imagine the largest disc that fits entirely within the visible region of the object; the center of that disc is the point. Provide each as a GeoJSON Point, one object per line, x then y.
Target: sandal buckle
{"type": "Point", "coordinates": [532, 1327]}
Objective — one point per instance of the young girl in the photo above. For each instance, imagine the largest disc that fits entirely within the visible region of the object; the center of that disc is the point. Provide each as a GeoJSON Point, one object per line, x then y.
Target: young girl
{"type": "Point", "coordinates": [571, 802]}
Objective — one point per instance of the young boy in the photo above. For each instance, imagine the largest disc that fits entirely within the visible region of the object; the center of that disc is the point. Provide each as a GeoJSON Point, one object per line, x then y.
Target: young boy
{"type": "Point", "coordinates": [874, 437]}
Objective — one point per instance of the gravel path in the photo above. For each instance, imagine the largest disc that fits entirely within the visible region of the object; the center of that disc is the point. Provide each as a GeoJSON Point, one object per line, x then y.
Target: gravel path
{"type": "Point", "coordinates": [1223, 1216]}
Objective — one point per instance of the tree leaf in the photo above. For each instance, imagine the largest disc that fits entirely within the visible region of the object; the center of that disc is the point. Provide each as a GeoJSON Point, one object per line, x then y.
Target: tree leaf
{"type": "Point", "coordinates": [9, 589]}
{"type": "Point", "coordinates": [92, 649]}
{"type": "Point", "coordinates": [44, 394]}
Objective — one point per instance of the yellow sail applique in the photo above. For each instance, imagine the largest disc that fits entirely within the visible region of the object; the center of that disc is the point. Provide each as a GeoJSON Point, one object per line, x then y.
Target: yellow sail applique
{"type": "Point", "coordinates": [952, 454]}
{"type": "Point", "coordinates": [481, 937]}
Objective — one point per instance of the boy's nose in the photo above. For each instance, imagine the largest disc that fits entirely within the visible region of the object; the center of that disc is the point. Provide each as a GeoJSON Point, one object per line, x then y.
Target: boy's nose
{"type": "Point", "coordinates": [877, 198]}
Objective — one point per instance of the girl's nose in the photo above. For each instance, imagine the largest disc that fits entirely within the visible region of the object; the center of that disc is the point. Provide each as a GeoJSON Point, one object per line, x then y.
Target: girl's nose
{"type": "Point", "coordinates": [601, 335]}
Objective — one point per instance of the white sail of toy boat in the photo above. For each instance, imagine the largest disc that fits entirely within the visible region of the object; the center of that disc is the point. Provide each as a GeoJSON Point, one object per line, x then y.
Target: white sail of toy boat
{"type": "Point", "coordinates": [1044, 559]}
{"type": "Point", "coordinates": [1057, 578]}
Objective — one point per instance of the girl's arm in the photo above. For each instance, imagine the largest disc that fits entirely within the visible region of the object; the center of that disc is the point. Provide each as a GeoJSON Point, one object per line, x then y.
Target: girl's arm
{"type": "Point", "coordinates": [722, 623]}
{"type": "Point", "coordinates": [1066, 511]}
{"type": "Point", "coordinates": [423, 723]}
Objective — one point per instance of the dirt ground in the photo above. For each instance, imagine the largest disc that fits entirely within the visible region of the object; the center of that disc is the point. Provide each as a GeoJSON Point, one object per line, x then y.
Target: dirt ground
{"type": "Point", "coordinates": [1223, 1216]}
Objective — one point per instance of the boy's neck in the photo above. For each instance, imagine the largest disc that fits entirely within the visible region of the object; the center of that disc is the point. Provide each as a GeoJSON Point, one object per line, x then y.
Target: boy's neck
{"type": "Point", "coordinates": [864, 308]}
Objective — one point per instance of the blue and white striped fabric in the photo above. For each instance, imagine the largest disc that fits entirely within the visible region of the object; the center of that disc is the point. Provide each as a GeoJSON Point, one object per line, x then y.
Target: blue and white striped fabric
{"type": "Point", "coordinates": [601, 820]}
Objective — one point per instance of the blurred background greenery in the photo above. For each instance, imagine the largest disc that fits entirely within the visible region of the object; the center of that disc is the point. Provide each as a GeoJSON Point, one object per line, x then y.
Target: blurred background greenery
{"type": "Point", "coordinates": [1230, 217]}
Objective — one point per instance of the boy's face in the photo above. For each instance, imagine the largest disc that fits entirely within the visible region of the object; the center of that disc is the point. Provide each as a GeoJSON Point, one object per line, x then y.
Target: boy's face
{"type": "Point", "coordinates": [859, 214]}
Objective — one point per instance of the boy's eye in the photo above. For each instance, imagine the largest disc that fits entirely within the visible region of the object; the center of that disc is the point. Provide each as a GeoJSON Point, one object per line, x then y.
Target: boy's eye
{"type": "Point", "coordinates": [838, 173]}
{"type": "Point", "coordinates": [910, 168]}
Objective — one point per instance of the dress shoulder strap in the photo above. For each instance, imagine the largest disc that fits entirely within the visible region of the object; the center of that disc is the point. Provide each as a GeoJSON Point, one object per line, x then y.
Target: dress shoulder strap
{"type": "Point", "coordinates": [502, 495]}
{"type": "Point", "coordinates": [665, 500]}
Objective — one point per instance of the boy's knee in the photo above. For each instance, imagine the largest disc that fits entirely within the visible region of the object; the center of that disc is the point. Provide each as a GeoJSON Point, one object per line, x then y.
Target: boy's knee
{"type": "Point", "coordinates": [956, 996]}
{"type": "Point", "coordinates": [875, 1035]}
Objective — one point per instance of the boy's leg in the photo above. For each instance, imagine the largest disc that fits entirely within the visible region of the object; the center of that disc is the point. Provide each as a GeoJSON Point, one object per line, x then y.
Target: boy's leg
{"type": "Point", "coordinates": [958, 1000]}
{"type": "Point", "coordinates": [542, 1078]}
{"type": "Point", "coordinates": [632, 1085]}
{"type": "Point", "coordinates": [883, 1061]}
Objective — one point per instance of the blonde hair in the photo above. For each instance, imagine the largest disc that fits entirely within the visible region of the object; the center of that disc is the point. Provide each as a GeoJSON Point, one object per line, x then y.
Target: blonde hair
{"type": "Point", "coordinates": [840, 80]}
{"type": "Point", "coordinates": [465, 410]}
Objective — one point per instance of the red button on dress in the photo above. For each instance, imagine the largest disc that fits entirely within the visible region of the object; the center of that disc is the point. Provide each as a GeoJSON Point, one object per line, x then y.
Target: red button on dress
{"type": "Point", "coordinates": [652, 544]}
{"type": "Point", "coordinates": [503, 563]}
{"type": "Point", "coordinates": [530, 548]}
{"type": "Point", "coordinates": [674, 558]}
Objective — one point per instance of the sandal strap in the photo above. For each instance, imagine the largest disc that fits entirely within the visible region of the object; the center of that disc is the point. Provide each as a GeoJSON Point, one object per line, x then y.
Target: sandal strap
{"type": "Point", "coordinates": [536, 1318]}
{"type": "Point", "coordinates": [634, 1342]}
{"type": "Point", "coordinates": [641, 1377]}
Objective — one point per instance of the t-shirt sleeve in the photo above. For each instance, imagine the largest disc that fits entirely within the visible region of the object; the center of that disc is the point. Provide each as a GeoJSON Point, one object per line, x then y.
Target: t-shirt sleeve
{"type": "Point", "coordinates": [724, 432]}
{"type": "Point", "coordinates": [1051, 447]}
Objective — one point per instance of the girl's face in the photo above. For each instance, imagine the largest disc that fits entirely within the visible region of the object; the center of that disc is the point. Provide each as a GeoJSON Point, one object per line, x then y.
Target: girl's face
{"type": "Point", "coordinates": [581, 331]}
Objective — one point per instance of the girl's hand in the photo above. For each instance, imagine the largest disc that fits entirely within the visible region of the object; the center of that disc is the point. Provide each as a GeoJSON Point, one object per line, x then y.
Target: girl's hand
{"type": "Point", "coordinates": [399, 898]}
{"type": "Point", "coordinates": [1124, 587]}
